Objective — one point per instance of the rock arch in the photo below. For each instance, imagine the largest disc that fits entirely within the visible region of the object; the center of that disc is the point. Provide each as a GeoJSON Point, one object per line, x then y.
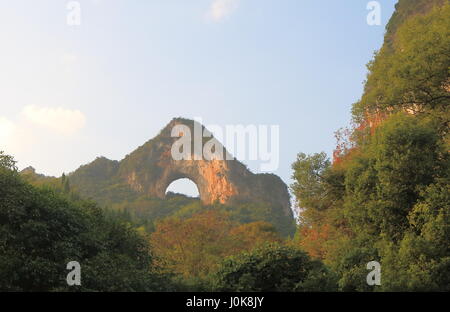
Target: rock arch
{"type": "Point", "coordinates": [167, 180]}
{"type": "Point", "coordinates": [183, 186]}
{"type": "Point", "coordinates": [151, 168]}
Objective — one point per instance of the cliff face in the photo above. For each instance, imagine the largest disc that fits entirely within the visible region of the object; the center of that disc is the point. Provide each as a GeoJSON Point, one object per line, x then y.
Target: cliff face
{"type": "Point", "coordinates": [150, 169]}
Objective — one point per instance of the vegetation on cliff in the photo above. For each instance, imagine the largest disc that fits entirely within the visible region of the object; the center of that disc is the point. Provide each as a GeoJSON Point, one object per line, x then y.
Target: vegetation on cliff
{"type": "Point", "coordinates": [42, 230]}
{"type": "Point", "coordinates": [385, 195]}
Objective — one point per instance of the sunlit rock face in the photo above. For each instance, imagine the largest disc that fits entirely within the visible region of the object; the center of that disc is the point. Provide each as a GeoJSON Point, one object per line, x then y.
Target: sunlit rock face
{"type": "Point", "coordinates": [152, 168]}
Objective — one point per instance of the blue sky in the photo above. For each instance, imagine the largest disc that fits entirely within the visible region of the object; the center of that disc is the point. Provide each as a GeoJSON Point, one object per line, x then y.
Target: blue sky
{"type": "Point", "coordinates": [71, 93]}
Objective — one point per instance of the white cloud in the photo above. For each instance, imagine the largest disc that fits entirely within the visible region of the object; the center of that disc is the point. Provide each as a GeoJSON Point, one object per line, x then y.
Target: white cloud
{"type": "Point", "coordinates": [36, 131]}
{"type": "Point", "coordinates": [64, 121]}
{"type": "Point", "coordinates": [220, 9]}
{"type": "Point", "coordinates": [6, 131]}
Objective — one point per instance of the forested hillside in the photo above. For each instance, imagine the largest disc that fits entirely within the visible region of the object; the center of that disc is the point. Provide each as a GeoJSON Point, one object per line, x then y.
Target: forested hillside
{"type": "Point", "coordinates": [134, 188]}
{"type": "Point", "coordinates": [385, 195]}
{"type": "Point", "coordinates": [43, 229]}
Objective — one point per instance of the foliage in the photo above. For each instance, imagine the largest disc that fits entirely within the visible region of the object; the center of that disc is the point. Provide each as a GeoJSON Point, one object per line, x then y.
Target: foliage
{"type": "Point", "coordinates": [271, 268]}
{"type": "Point", "coordinates": [404, 9]}
{"type": "Point", "coordinates": [308, 176]}
{"type": "Point", "coordinates": [385, 195]}
{"type": "Point", "coordinates": [193, 247]}
{"type": "Point", "coordinates": [96, 181]}
{"type": "Point", "coordinates": [413, 75]}
{"type": "Point", "coordinates": [394, 207]}
{"type": "Point", "coordinates": [7, 161]}
{"type": "Point", "coordinates": [42, 230]}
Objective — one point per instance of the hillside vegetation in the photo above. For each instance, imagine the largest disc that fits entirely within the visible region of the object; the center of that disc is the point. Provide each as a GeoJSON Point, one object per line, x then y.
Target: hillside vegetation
{"type": "Point", "coordinates": [384, 196]}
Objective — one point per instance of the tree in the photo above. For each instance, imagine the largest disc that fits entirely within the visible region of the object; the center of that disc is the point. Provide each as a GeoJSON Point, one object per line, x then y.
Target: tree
{"type": "Point", "coordinates": [385, 196]}
{"type": "Point", "coordinates": [421, 260]}
{"type": "Point", "coordinates": [384, 182]}
{"type": "Point", "coordinates": [270, 268]}
{"type": "Point", "coordinates": [319, 188]}
{"type": "Point", "coordinates": [42, 230]}
{"type": "Point", "coordinates": [251, 235]}
{"type": "Point", "coordinates": [194, 247]}
{"type": "Point", "coordinates": [309, 180]}
{"type": "Point", "coordinates": [393, 207]}
{"type": "Point", "coordinates": [7, 162]}
{"type": "Point", "coordinates": [412, 74]}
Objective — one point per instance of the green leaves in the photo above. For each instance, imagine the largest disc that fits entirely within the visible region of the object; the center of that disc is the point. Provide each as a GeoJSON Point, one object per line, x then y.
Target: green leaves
{"type": "Point", "coordinates": [42, 230]}
{"type": "Point", "coordinates": [308, 180]}
{"type": "Point", "coordinates": [7, 162]}
{"type": "Point", "coordinates": [271, 268]}
{"type": "Point", "coordinates": [412, 74]}
{"type": "Point", "coordinates": [395, 207]}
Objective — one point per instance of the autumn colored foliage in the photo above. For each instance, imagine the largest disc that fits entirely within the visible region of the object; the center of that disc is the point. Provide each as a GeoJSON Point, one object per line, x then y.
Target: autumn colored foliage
{"type": "Point", "coordinates": [194, 246]}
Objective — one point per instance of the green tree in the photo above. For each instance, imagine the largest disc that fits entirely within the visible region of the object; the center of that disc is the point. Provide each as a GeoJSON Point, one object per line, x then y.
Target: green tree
{"type": "Point", "coordinates": [7, 161]}
{"type": "Point", "coordinates": [309, 181]}
{"type": "Point", "coordinates": [384, 182]}
{"type": "Point", "coordinates": [421, 260]}
{"type": "Point", "coordinates": [42, 230]}
{"type": "Point", "coordinates": [413, 73]}
{"type": "Point", "coordinates": [194, 247]}
{"type": "Point", "coordinates": [270, 268]}
{"type": "Point", "coordinates": [386, 198]}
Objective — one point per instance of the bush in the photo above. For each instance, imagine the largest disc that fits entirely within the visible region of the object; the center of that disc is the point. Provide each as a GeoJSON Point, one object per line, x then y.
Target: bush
{"type": "Point", "coordinates": [273, 268]}
{"type": "Point", "coordinates": [41, 231]}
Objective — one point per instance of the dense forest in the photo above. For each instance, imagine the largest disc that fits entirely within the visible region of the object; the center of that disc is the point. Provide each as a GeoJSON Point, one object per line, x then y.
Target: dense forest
{"type": "Point", "coordinates": [383, 196]}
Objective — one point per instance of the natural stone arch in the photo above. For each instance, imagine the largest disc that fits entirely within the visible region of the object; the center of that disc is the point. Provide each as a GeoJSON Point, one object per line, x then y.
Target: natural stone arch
{"type": "Point", "coordinates": [223, 181]}
{"type": "Point", "coordinates": [209, 177]}
{"type": "Point", "coordinates": [183, 186]}
{"type": "Point", "coordinates": [150, 169]}
{"type": "Point", "coordinates": [173, 176]}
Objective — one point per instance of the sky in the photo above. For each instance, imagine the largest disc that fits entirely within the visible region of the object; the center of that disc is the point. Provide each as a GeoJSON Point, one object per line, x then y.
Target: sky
{"type": "Point", "coordinates": [70, 93]}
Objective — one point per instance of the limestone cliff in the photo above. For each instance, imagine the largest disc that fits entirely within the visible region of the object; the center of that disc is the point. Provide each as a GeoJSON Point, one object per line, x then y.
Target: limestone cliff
{"type": "Point", "coordinates": [151, 168]}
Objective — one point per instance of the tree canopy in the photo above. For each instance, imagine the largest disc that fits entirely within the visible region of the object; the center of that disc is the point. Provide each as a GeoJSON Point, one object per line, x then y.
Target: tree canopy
{"type": "Point", "coordinates": [42, 230]}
